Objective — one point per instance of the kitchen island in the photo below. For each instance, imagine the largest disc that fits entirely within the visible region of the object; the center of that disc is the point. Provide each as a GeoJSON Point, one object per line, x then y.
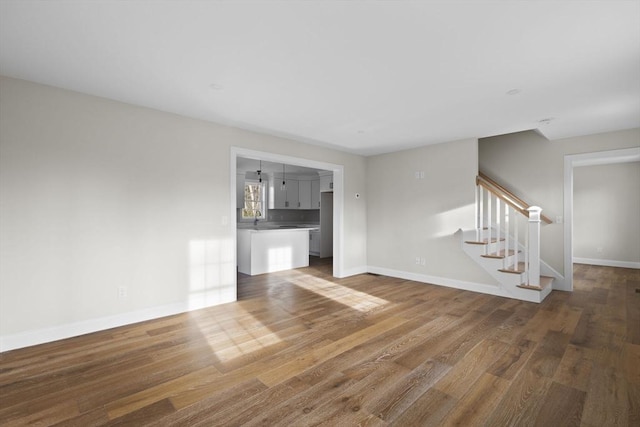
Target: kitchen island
{"type": "Point", "coordinates": [266, 250]}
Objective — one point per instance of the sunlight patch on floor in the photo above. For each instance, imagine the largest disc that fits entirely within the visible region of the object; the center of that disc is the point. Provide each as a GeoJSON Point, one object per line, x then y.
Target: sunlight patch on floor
{"type": "Point", "coordinates": [237, 334]}
{"type": "Point", "coordinates": [357, 300]}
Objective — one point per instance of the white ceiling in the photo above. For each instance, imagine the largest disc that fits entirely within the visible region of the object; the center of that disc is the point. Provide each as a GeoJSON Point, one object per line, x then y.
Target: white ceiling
{"type": "Point", "coordinates": [361, 76]}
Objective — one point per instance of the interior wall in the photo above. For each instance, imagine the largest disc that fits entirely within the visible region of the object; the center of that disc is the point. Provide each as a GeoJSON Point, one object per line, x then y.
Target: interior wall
{"type": "Point", "coordinates": [414, 218]}
{"type": "Point", "coordinates": [606, 213]}
{"type": "Point", "coordinates": [532, 167]}
{"type": "Point", "coordinates": [97, 195]}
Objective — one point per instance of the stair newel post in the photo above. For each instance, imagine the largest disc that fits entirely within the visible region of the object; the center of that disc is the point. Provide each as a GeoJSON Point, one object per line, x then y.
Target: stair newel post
{"type": "Point", "coordinates": [480, 213]}
{"type": "Point", "coordinates": [534, 245]}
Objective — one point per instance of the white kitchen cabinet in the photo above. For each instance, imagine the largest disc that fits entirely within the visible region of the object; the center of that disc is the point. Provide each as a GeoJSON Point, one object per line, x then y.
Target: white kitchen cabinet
{"type": "Point", "coordinates": [286, 198]}
{"type": "Point", "coordinates": [309, 191]}
{"type": "Point", "coordinates": [278, 195]}
{"type": "Point", "coordinates": [266, 251]}
{"type": "Point", "coordinates": [326, 181]}
{"type": "Point", "coordinates": [304, 192]}
{"type": "Point", "coordinates": [315, 194]}
{"type": "Point", "coordinates": [314, 243]}
{"type": "Point", "coordinates": [301, 192]}
{"type": "Point", "coordinates": [293, 194]}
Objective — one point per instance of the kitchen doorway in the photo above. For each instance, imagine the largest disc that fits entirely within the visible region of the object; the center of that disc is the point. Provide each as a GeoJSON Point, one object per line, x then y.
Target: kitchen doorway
{"type": "Point", "coordinates": [337, 196]}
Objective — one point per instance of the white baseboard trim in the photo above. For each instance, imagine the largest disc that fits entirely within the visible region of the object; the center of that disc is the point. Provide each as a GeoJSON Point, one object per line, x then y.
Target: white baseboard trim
{"type": "Point", "coordinates": [353, 271]}
{"type": "Point", "coordinates": [607, 262]}
{"type": "Point", "coordinates": [41, 336]}
{"type": "Point", "coordinates": [440, 281]}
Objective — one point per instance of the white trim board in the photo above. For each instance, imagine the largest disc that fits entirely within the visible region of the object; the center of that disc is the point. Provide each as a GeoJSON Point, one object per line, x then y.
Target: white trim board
{"type": "Point", "coordinates": [576, 160]}
{"type": "Point", "coordinates": [439, 281]}
{"type": "Point", "coordinates": [480, 288]}
{"type": "Point", "coordinates": [69, 330]}
{"type": "Point", "coordinates": [607, 262]}
{"type": "Point", "coordinates": [353, 272]}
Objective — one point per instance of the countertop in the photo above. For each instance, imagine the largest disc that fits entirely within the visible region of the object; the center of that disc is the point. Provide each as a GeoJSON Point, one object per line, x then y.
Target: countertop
{"type": "Point", "coordinates": [278, 227]}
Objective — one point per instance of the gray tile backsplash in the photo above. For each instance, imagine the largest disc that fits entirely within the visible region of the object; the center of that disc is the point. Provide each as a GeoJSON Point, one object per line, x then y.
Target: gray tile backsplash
{"type": "Point", "coordinates": [302, 216]}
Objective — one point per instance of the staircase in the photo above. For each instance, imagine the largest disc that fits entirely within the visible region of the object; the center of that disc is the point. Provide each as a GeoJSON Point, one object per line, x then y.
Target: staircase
{"type": "Point", "coordinates": [497, 247]}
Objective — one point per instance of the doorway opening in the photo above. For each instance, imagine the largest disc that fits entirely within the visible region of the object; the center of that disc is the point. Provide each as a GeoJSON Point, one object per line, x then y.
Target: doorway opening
{"type": "Point", "coordinates": [333, 218]}
{"type": "Point", "coordinates": [577, 160]}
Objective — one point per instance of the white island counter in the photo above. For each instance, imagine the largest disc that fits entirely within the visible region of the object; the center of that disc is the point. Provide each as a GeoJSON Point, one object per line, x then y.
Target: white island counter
{"type": "Point", "coordinates": [273, 249]}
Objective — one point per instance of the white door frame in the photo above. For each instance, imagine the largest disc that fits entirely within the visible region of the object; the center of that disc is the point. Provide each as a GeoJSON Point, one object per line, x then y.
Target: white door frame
{"type": "Point", "coordinates": [576, 160]}
{"type": "Point", "coordinates": [338, 197]}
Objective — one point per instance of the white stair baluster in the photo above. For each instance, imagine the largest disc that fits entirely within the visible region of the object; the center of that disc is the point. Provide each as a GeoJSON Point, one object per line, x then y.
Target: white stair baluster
{"type": "Point", "coordinates": [516, 242]}
{"type": "Point", "coordinates": [486, 248]}
{"type": "Point", "coordinates": [505, 264]}
{"type": "Point", "coordinates": [498, 224]}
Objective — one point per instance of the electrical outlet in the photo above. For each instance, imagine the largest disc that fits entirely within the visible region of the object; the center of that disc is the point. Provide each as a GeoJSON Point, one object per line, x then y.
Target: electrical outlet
{"type": "Point", "coordinates": [599, 250]}
{"type": "Point", "coordinates": [122, 292]}
{"type": "Point", "coordinates": [417, 260]}
{"type": "Point", "coordinates": [423, 261]}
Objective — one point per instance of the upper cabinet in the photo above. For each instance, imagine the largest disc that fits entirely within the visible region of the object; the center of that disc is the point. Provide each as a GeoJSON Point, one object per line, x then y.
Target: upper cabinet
{"type": "Point", "coordinates": [326, 181]}
{"type": "Point", "coordinates": [304, 194]}
{"type": "Point", "coordinates": [315, 194]}
{"type": "Point", "coordinates": [309, 191]}
{"type": "Point", "coordinates": [286, 197]}
{"type": "Point", "coordinates": [293, 196]}
{"type": "Point", "coordinates": [299, 192]}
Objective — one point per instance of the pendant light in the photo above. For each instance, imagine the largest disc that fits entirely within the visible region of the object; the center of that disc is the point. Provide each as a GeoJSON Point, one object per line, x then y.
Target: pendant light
{"type": "Point", "coordinates": [260, 172]}
{"type": "Point", "coordinates": [284, 185]}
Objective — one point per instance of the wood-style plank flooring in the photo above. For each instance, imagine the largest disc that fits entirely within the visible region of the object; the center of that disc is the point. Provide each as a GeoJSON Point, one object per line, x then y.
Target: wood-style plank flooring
{"type": "Point", "coordinates": [301, 348]}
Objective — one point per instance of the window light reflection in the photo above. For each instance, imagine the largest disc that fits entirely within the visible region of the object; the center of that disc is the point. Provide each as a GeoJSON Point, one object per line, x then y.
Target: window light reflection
{"type": "Point", "coordinates": [352, 298]}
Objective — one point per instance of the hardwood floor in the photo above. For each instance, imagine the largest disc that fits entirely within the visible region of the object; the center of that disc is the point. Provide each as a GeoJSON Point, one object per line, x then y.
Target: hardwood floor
{"type": "Point", "coordinates": [301, 348]}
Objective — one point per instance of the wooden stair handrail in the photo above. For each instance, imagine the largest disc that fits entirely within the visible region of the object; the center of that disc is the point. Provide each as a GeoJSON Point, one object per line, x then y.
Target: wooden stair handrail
{"type": "Point", "coordinates": [508, 197]}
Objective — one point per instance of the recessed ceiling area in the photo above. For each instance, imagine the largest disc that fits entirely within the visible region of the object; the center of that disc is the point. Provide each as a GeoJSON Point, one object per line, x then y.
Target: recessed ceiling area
{"type": "Point", "coordinates": [366, 77]}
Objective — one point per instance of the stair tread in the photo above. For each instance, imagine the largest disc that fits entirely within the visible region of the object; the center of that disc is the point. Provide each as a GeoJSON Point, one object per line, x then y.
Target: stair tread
{"type": "Point", "coordinates": [500, 254]}
{"type": "Point", "coordinates": [544, 282]}
{"type": "Point", "coordinates": [483, 241]}
{"type": "Point", "coordinates": [519, 269]}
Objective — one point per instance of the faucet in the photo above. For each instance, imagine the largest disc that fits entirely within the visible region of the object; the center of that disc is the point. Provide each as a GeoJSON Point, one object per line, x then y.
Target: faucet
{"type": "Point", "coordinates": [255, 221]}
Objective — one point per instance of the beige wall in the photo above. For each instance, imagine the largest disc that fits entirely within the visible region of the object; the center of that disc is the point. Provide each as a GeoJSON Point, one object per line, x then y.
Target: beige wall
{"type": "Point", "coordinates": [97, 194]}
{"type": "Point", "coordinates": [533, 168]}
{"type": "Point", "coordinates": [409, 217]}
{"type": "Point", "coordinates": [606, 212]}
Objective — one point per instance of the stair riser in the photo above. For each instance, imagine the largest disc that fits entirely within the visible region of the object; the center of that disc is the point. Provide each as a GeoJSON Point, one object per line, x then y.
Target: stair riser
{"type": "Point", "coordinates": [492, 265]}
{"type": "Point", "coordinates": [508, 281]}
